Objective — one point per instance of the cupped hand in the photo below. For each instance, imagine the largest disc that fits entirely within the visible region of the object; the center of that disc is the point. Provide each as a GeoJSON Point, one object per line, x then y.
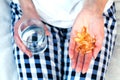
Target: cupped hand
{"type": "Point", "coordinates": [95, 26]}
{"type": "Point", "coordinates": [16, 35]}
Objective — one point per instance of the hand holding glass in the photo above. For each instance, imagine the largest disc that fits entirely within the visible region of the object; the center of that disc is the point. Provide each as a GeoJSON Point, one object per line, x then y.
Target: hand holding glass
{"type": "Point", "coordinates": [32, 34]}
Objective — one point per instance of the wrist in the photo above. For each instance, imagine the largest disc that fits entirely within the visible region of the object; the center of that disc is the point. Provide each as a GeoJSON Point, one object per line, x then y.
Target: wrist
{"type": "Point", "coordinates": [95, 6]}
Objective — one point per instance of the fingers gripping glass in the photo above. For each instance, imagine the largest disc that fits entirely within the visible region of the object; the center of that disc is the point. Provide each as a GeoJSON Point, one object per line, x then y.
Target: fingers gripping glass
{"type": "Point", "coordinates": [32, 34]}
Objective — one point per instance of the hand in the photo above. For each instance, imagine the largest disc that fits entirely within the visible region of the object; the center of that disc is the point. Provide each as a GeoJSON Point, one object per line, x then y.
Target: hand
{"type": "Point", "coordinates": [95, 25]}
{"type": "Point", "coordinates": [16, 36]}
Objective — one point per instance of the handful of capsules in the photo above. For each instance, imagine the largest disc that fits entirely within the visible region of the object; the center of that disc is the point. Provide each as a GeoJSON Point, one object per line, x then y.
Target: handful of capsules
{"type": "Point", "coordinates": [85, 43]}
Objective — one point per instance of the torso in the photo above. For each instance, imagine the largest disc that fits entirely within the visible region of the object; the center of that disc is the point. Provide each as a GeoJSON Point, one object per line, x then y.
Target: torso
{"type": "Point", "coordinates": [59, 13]}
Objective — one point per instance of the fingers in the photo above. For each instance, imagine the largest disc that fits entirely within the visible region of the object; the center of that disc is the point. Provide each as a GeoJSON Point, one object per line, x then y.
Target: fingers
{"type": "Point", "coordinates": [74, 61]}
{"type": "Point", "coordinates": [18, 40]}
{"type": "Point", "coordinates": [46, 30]}
{"type": "Point", "coordinates": [75, 57]}
{"type": "Point", "coordinates": [73, 54]}
{"type": "Point", "coordinates": [21, 46]}
{"type": "Point", "coordinates": [80, 62]}
{"type": "Point", "coordinates": [83, 62]}
{"type": "Point", "coordinates": [98, 46]}
{"type": "Point", "coordinates": [87, 60]}
{"type": "Point", "coordinates": [71, 48]}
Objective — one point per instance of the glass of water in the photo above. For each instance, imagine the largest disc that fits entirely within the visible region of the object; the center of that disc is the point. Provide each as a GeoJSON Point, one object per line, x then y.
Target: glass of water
{"type": "Point", "coordinates": [32, 34]}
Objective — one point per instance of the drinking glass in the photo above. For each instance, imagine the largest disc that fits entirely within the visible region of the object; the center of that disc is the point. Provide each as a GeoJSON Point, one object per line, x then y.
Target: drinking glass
{"type": "Point", "coordinates": [32, 34]}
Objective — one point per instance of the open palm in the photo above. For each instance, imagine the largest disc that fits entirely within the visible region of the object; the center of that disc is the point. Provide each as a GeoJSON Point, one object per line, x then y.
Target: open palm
{"type": "Point", "coordinates": [95, 27]}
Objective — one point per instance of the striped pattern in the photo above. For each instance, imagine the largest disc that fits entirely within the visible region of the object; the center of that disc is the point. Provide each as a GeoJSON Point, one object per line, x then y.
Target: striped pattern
{"type": "Point", "coordinates": [113, 69]}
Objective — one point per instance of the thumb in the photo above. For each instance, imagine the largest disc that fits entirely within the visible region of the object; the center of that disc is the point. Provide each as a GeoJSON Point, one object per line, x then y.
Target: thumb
{"type": "Point", "coordinates": [18, 40]}
{"type": "Point", "coordinates": [98, 46]}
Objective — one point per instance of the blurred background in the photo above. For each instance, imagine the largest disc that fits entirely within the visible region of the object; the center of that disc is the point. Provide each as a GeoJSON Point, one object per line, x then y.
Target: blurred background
{"type": "Point", "coordinates": [113, 72]}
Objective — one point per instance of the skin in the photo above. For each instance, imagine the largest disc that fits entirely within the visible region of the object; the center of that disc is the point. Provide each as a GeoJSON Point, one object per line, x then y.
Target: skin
{"type": "Point", "coordinates": [29, 12]}
{"type": "Point", "coordinates": [90, 16]}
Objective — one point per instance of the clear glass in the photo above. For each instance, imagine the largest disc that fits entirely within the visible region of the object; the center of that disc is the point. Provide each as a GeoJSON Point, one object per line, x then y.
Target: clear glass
{"type": "Point", "coordinates": [32, 34]}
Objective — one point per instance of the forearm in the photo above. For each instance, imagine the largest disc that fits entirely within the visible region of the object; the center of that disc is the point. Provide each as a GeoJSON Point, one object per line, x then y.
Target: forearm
{"type": "Point", "coordinates": [27, 6]}
{"type": "Point", "coordinates": [95, 5]}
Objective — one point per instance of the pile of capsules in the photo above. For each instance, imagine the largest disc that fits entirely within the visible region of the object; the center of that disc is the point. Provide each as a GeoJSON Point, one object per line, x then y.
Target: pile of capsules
{"type": "Point", "coordinates": [85, 43]}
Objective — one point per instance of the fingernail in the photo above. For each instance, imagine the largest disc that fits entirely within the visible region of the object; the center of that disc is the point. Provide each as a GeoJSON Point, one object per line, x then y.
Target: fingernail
{"type": "Point", "coordinates": [83, 71]}
{"type": "Point", "coordinates": [73, 65]}
{"type": "Point", "coordinates": [95, 55]}
{"type": "Point", "coordinates": [71, 56]}
{"type": "Point", "coordinates": [29, 54]}
{"type": "Point", "coordinates": [78, 70]}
